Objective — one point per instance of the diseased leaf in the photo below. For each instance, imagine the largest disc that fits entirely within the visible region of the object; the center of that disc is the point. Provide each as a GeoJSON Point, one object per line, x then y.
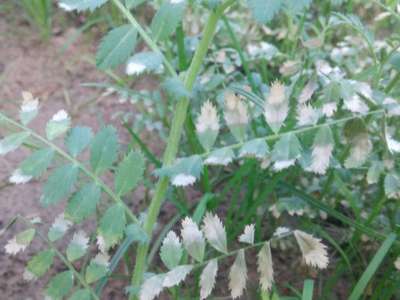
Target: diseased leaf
{"type": "Point", "coordinates": [215, 232]}
{"type": "Point", "coordinates": [83, 203]}
{"type": "Point", "coordinates": [60, 285]}
{"type": "Point", "coordinates": [265, 267]}
{"type": "Point", "coordinates": [77, 246]}
{"type": "Point", "coordinates": [238, 275]}
{"type": "Point", "coordinates": [80, 5]}
{"type": "Point", "coordinates": [151, 287]}
{"type": "Point", "coordinates": [171, 250]}
{"type": "Point", "coordinates": [112, 224]}
{"type": "Point", "coordinates": [255, 148]}
{"type": "Point", "coordinates": [129, 173]}
{"type": "Point", "coordinates": [104, 149]}
{"type": "Point", "coordinates": [97, 268]}
{"type": "Point", "coordinates": [116, 47]}
{"type": "Point", "coordinates": [58, 125]}
{"type": "Point", "coordinates": [12, 142]}
{"type": "Point", "coordinates": [143, 62]}
{"type": "Point", "coordinates": [60, 183]}
{"type": "Point", "coordinates": [176, 275]}
{"type": "Point", "coordinates": [167, 19]}
{"type": "Point", "coordinates": [36, 164]}
{"type": "Point", "coordinates": [286, 151]}
{"type": "Point", "coordinates": [207, 279]}
{"type": "Point", "coordinates": [78, 139]}
{"type": "Point", "coordinates": [193, 239]}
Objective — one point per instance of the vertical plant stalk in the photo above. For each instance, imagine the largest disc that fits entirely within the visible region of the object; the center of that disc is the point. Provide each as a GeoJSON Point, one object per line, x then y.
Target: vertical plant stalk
{"type": "Point", "coordinates": [174, 139]}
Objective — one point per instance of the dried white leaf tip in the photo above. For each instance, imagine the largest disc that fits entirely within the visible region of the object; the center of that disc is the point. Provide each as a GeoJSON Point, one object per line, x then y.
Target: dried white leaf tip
{"type": "Point", "coordinates": [307, 115]}
{"type": "Point", "coordinates": [65, 6]}
{"type": "Point", "coordinates": [392, 144]}
{"type": "Point", "coordinates": [265, 267]}
{"type": "Point", "coordinates": [283, 164]}
{"type": "Point", "coordinates": [321, 155]}
{"type": "Point", "coordinates": [29, 103]}
{"type": "Point", "coordinates": [28, 276]}
{"type": "Point", "coordinates": [176, 275]}
{"type": "Point", "coordinates": [397, 263]}
{"type": "Point", "coordinates": [80, 239]}
{"type": "Point", "coordinates": [207, 279]}
{"type": "Point", "coordinates": [60, 116]}
{"type": "Point", "coordinates": [308, 91]}
{"type": "Point", "coordinates": [60, 224]}
{"type": "Point", "coordinates": [276, 106]}
{"type": "Point", "coordinates": [208, 118]}
{"type": "Point", "coordinates": [151, 287]}
{"type": "Point", "coordinates": [238, 275]}
{"type": "Point", "coordinates": [235, 110]}
{"type": "Point", "coordinates": [135, 68]}
{"type": "Point", "coordinates": [171, 250]}
{"type": "Point", "coordinates": [183, 180]}
{"type": "Point", "coordinates": [193, 239]}
{"type": "Point", "coordinates": [314, 252]}
{"type": "Point", "coordinates": [18, 177]}
{"type": "Point", "coordinates": [277, 94]}
{"type": "Point", "coordinates": [281, 231]}
{"type": "Point", "coordinates": [102, 260]}
{"type": "Point", "coordinates": [101, 244]}
{"type": "Point", "coordinates": [13, 247]}
{"type": "Point", "coordinates": [248, 235]}
{"type": "Point", "coordinates": [215, 232]}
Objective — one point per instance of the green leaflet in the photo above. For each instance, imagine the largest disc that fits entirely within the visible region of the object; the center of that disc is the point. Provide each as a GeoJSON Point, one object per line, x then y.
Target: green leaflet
{"type": "Point", "coordinates": [129, 173]}
{"type": "Point", "coordinates": [395, 61]}
{"type": "Point", "coordinates": [78, 139]}
{"type": "Point", "coordinates": [12, 142]}
{"type": "Point", "coordinates": [55, 128]}
{"type": "Point", "coordinates": [59, 184]}
{"type": "Point", "coordinates": [104, 149]}
{"type": "Point", "coordinates": [95, 271]}
{"type": "Point", "coordinates": [83, 203]}
{"type": "Point", "coordinates": [41, 262]}
{"type": "Point", "coordinates": [82, 294]}
{"type": "Point", "coordinates": [25, 237]}
{"type": "Point", "coordinates": [76, 249]}
{"type": "Point", "coordinates": [60, 285]}
{"type": "Point", "coordinates": [112, 225]}
{"type": "Point", "coordinates": [286, 148]}
{"type": "Point", "coordinates": [167, 19]}
{"type": "Point", "coordinates": [264, 10]}
{"type": "Point", "coordinates": [116, 47]}
{"type": "Point", "coordinates": [80, 5]}
{"type": "Point", "coordinates": [257, 148]}
{"type": "Point", "coordinates": [38, 162]}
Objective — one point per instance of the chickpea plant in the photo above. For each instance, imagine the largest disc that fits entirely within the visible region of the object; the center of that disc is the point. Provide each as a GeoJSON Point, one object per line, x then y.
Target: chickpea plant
{"type": "Point", "coordinates": [312, 114]}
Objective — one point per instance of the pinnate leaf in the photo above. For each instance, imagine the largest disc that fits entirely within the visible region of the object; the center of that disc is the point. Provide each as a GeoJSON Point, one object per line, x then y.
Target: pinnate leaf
{"type": "Point", "coordinates": [41, 262]}
{"type": "Point", "coordinates": [129, 173]}
{"type": "Point", "coordinates": [60, 285]}
{"type": "Point", "coordinates": [78, 139]}
{"type": "Point", "coordinates": [38, 162]}
{"type": "Point", "coordinates": [12, 142]}
{"type": "Point", "coordinates": [83, 203]}
{"type": "Point", "coordinates": [112, 224]}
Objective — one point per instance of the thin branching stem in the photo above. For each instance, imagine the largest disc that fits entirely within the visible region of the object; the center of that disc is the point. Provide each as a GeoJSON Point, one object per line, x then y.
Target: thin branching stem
{"type": "Point", "coordinates": [62, 258]}
{"type": "Point", "coordinates": [76, 162]}
{"type": "Point", "coordinates": [273, 137]}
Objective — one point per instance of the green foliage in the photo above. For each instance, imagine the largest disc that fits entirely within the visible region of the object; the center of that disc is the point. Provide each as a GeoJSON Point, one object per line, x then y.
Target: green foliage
{"type": "Point", "coordinates": [83, 203]}
{"type": "Point", "coordinates": [112, 225]}
{"type": "Point", "coordinates": [167, 19]}
{"type": "Point", "coordinates": [60, 285]}
{"type": "Point", "coordinates": [129, 173]}
{"type": "Point", "coordinates": [116, 47]}
{"type": "Point", "coordinates": [104, 149]}
{"type": "Point", "coordinates": [78, 139]}
{"type": "Point", "coordinates": [36, 164]}
{"type": "Point", "coordinates": [40, 263]}
{"type": "Point", "coordinates": [12, 142]}
{"type": "Point", "coordinates": [53, 191]}
{"type": "Point", "coordinates": [264, 11]}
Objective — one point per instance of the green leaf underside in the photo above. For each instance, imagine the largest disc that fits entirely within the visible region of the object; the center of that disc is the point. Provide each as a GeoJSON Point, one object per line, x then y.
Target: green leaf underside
{"type": "Point", "coordinates": [41, 262]}
{"type": "Point", "coordinates": [36, 164]}
{"type": "Point", "coordinates": [104, 149]}
{"type": "Point", "coordinates": [53, 190]}
{"type": "Point", "coordinates": [83, 203]}
{"type": "Point", "coordinates": [129, 173]}
{"type": "Point", "coordinates": [78, 139]}
{"type": "Point", "coordinates": [116, 47]}
{"type": "Point", "coordinates": [60, 285]}
{"type": "Point", "coordinates": [167, 19]}
{"type": "Point", "coordinates": [82, 294]}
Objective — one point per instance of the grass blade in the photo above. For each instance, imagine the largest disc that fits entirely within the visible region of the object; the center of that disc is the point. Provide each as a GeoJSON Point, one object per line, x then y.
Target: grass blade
{"type": "Point", "coordinates": [372, 267]}
{"type": "Point", "coordinates": [308, 290]}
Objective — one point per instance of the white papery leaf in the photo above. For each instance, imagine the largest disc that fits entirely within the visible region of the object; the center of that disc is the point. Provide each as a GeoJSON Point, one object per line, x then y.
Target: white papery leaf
{"type": "Point", "coordinates": [151, 287]}
{"type": "Point", "coordinates": [265, 267]}
{"type": "Point", "coordinates": [392, 144]}
{"type": "Point", "coordinates": [314, 252]}
{"type": "Point", "coordinates": [59, 227]}
{"type": "Point", "coordinates": [183, 180]}
{"type": "Point", "coordinates": [176, 275]}
{"type": "Point", "coordinates": [18, 177]}
{"type": "Point", "coordinates": [308, 91]}
{"type": "Point", "coordinates": [171, 250]}
{"type": "Point", "coordinates": [276, 106]}
{"type": "Point", "coordinates": [13, 247]}
{"type": "Point", "coordinates": [215, 232]}
{"type": "Point", "coordinates": [397, 261]}
{"type": "Point", "coordinates": [193, 239]}
{"type": "Point", "coordinates": [238, 275]}
{"type": "Point", "coordinates": [329, 109]}
{"type": "Point", "coordinates": [283, 164]}
{"type": "Point", "coordinates": [207, 279]}
{"type": "Point", "coordinates": [356, 105]}
{"type": "Point", "coordinates": [359, 151]}
{"type": "Point", "coordinates": [307, 115]}
{"type": "Point", "coordinates": [248, 235]}
{"type": "Point", "coordinates": [208, 118]}
{"type": "Point", "coordinates": [322, 151]}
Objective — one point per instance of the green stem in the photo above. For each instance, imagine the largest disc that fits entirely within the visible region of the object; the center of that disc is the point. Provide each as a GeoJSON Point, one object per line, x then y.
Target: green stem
{"type": "Point", "coordinates": [146, 37]}
{"type": "Point", "coordinates": [77, 163]}
{"type": "Point", "coordinates": [174, 139]}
